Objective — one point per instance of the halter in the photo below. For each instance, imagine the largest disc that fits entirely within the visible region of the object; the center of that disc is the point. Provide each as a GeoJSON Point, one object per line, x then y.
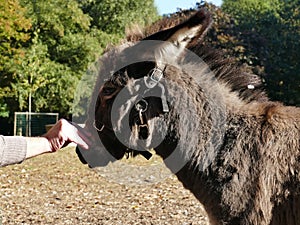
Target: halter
{"type": "Point", "coordinates": [152, 80]}
{"type": "Point", "coordinates": [97, 129]}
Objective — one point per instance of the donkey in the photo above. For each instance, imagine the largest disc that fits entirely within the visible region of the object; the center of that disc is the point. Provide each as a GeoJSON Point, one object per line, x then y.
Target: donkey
{"type": "Point", "coordinates": [210, 121]}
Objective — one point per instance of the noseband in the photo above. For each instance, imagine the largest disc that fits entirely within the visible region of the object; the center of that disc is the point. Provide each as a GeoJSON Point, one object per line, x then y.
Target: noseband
{"type": "Point", "coordinates": [98, 129]}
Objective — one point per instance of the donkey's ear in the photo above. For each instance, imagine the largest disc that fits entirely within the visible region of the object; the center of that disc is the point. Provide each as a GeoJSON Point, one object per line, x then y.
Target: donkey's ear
{"type": "Point", "coordinates": [187, 32]}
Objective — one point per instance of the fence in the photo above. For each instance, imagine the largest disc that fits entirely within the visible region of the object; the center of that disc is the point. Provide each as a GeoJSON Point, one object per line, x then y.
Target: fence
{"type": "Point", "coordinates": [32, 124]}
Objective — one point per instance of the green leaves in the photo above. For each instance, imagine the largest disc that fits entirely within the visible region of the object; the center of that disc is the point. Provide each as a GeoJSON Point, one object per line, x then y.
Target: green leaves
{"type": "Point", "coordinates": [54, 52]}
{"type": "Point", "coordinates": [46, 47]}
{"type": "Point", "coordinates": [270, 32]}
{"type": "Point", "coordinates": [113, 16]}
{"type": "Point", "coordinates": [14, 28]}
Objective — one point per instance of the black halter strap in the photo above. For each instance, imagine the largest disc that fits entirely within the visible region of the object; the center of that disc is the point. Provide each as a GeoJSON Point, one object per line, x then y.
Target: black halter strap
{"type": "Point", "coordinates": [128, 151]}
{"type": "Point", "coordinates": [152, 80]}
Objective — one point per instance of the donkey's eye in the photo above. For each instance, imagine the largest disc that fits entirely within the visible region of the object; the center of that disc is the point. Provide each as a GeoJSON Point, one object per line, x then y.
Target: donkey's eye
{"type": "Point", "coordinates": [108, 90]}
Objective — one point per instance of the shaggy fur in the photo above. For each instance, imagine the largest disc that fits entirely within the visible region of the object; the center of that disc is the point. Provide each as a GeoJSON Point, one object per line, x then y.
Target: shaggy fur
{"type": "Point", "coordinates": [239, 151]}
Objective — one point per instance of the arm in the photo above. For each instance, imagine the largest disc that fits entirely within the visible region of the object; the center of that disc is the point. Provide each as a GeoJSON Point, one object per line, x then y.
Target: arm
{"type": "Point", "coordinates": [16, 149]}
{"type": "Point", "coordinates": [12, 150]}
{"type": "Point", "coordinates": [37, 146]}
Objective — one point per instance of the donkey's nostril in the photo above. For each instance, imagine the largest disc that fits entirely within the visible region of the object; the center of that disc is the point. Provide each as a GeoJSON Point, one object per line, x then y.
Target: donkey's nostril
{"type": "Point", "coordinates": [143, 131]}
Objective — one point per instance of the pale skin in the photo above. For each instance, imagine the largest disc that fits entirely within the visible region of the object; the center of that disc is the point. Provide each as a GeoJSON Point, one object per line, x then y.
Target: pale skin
{"type": "Point", "coordinates": [61, 134]}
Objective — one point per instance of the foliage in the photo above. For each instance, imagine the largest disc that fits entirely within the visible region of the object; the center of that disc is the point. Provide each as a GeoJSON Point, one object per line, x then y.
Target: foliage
{"type": "Point", "coordinates": [269, 33]}
{"type": "Point", "coordinates": [13, 33]}
{"type": "Point", "coordinates": [57, 47]}
{"type": "Point", "coordinates": [64, 29]}
{"type": "Point", "coordinates": [114, 16]}
{"type": "Point", "coordinates": [263, 36]}
{"type": "Point", "coordinates": [13, 29]}
{"type": "Point", "coordinates": [46, 47]}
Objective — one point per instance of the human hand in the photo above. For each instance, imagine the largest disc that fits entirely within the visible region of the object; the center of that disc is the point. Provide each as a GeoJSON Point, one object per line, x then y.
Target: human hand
{"type": "Point", "coordinates": [63, 133]}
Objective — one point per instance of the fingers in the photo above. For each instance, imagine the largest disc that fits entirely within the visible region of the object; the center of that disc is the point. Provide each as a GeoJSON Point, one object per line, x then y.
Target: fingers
{"type": "Point", "coordinates": [80, 136]}
{"type": "Point", "coordinates": [80, 140]}
{"type": "Point", "coordinates": [82, 130]}
{"type": "Point", "coordinates": [64, 132]}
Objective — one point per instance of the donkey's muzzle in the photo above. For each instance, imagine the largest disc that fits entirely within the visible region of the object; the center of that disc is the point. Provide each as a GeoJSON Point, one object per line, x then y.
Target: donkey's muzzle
{"type": "Point", "coordinates": [81, 158]}
{"type": "Point", "coordinates": [143, 131]}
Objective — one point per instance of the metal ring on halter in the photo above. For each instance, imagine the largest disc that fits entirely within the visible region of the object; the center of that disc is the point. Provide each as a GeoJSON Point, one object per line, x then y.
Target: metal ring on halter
{"type": "Point", "coordinates": [154, 76]}
{"type": "Point", "coordinates": [97, 129]}
{"type": "Point", "coordinates": [141, 107]}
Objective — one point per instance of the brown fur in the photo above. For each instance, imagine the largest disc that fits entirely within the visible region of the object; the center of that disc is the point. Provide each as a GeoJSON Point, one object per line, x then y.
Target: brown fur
{"type": "Point", "coordinates": [253, 177]}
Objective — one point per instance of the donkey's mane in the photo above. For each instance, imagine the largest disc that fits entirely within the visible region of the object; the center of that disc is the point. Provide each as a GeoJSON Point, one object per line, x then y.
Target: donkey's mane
{"type": "Point", "coordinates": [236, 77]}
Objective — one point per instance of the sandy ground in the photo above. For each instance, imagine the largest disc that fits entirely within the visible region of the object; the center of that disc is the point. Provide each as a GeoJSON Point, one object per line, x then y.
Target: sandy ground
{"type": "Point", "coordinates": [58, 189]}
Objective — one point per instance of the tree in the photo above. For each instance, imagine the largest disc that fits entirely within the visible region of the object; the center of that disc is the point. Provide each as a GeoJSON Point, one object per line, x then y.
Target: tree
{"type": "Point", "coordinates": [14, 28]}
{"type": "Point", "coordinates": [270, 33]}
{"type": "Point", "coordinates": [57, 51]}
{"type": "Point", "coordinates": [110, 19]}
{"type": "Point", "coordinates": [64, 29]}
{"type": "Point", "coordinates": [46, 47]}
{"type": "Point", "coordinates": [114, 16]}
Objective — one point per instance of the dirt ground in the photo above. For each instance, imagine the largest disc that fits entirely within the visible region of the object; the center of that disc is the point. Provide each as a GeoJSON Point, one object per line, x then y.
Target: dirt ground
{"type": "Point", "coordinates": [58, 189]}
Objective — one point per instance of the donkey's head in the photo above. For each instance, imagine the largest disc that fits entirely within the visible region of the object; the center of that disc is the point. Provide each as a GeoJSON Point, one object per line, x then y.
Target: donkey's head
{"type": "Point", "coordinates": [133, 100]}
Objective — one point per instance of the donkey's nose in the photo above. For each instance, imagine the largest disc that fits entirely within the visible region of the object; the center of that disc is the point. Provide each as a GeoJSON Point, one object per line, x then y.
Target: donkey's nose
{"type": "Point", "coordinates": [81, 158]}
{"type": "Point", "coordinates": [143, 131]}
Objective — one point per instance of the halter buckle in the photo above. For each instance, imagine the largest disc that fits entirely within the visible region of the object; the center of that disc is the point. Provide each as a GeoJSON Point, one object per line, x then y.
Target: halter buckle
{"type": "Point", "coordinates": [154, 76]}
